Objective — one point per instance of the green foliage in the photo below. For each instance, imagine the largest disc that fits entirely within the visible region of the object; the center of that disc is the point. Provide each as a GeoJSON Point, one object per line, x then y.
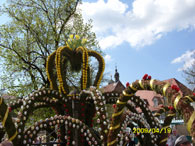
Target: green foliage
{"type": "Point", "coordinates": [44, 112]}
{"type": "Point", "coordinates": [36, 29]}
{"type": "Point", "coordinates": [75, 41]}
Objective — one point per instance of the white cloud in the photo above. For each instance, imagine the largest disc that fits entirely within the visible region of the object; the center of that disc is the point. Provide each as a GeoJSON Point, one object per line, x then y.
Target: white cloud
{"type": "Point", "coordinates": [108, 58]}
{"type": "Point", "coordinates": [148, 20]}
{"type": "Point", "coordinates": [188, 58]}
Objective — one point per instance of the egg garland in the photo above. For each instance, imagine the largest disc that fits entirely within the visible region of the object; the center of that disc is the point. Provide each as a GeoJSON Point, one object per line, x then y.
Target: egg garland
{"type": "Point", "coordinates": [100, 68]}
{"type": "Point", "coordinates": [134, 113]}
{"type": "Point", "coordinates": [50, 66]}
{"type": "Point", "coordinates": [171, 114]}
{"type": "Point", "coordinates": [129, 118]}
{"type": "Point", "coordinates": [94, 95]}
{"type": "Point", "coordinates": [162, 110]}
{"type": "Point", "coordinates": [56, 59]}
{"type": "Point", "coordinates": [7, 122]}
{"type": "Point", "coordinates": [161, 88]}
{"type": "Point", "coordinates": [147, 113]}
{"type": "Point", "coordinates": [16, 104]}
{"type": "Point", "coordinates": [31, 132]}
{"type": "Point", "coordinates": [89, 102]}
{"type": "Point", "coordinates": [102, 118]}
{"type": "Point", "coordinates": [34, 101]}
{"type": "Point", "coordinates": [138, 102]}
{"type": "Point", "coordinates": [164, 135]}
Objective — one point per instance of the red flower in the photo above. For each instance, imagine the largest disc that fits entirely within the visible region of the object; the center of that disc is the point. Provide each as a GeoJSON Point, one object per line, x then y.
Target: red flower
{"type": "Point", "coordinates": [10, 109]}
{"type": "Point", "coordinates": [114, 105]}
{"type": "Point", "coordinates": [174, 87]}
{"type": "Point", "coordinates": [127, 84]}
{"type": "Point", "coordinates": [170, 107]}
{"type": "Point", "coordinates": [194, 94]}
{"type": "Point", "coordinates": [149, 77]}
{"type": "Point", "coordinates": [64, 105]}
{"type": "Point", "coordinates": [145, 77]}
{"type": "Point", "coordinates": [69, 132]}
{"type": "Point", "coordinates": [66, 110]}
{"type": "Point", "coordinates": [82, 115]}
{"type": "Point", "coordinates": [82, 104]}
{"type": "Point", "coordinates": [177, 89]}
{"type": "Point", "coordinates": [82, 109]}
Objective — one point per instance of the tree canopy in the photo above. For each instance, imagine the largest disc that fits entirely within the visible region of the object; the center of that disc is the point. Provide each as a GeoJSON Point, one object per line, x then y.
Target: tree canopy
{"type": "Point", "coordinates": [37, 28]}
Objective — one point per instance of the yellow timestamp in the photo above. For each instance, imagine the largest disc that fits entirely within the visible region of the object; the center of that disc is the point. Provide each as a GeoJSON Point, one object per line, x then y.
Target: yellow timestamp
{"type": "Point", "coordinates": [152, 130]}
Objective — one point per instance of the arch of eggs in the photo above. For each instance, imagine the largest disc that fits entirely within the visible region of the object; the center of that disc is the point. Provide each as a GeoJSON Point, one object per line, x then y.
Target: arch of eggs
{"type": "Point", "coordinates": [70, 122]}
{"type": "Point", "coordinates": [129, 118]}
{"type": "Point", "coordinates": [37, 99]}
{"type": "Point", "coordinates": [108, 133]}
{"type": "Point", "coordinates": [134, 116]}
{"type": "Point", "coordinates": [131, 106]}
{"type": "Point", "coordinates": [42, 98]}
{"type": "Point", "coordinates": [162, 88]}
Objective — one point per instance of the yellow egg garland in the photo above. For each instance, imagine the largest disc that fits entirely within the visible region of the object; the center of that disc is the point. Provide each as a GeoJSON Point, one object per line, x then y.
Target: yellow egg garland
{"type": "Point", "coordinates": [47, 69]}
{"type": "Point", "coordinates": [9, 126]}
{"type": "Point", "coordinates": [58, 68]}
{"type": "Point", "coordinates": [75, 43]}
{"type": "Point", "coordinates": [101, 67]}
{"type": "Point", "coordinates": [84, 66]}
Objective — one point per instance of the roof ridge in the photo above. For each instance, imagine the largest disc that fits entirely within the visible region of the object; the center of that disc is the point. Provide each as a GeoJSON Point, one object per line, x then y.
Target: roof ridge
{"type": "Point", "coordinates": [184, 89]}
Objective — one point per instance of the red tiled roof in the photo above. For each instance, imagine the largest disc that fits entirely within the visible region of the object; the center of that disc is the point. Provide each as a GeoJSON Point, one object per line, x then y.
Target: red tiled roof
{"type": "Point", "coordinates": [114, 87]}
{"type": "Point", "coordinates": [149, 96]}
{"type": "Point", "coordinates": [183, 89]}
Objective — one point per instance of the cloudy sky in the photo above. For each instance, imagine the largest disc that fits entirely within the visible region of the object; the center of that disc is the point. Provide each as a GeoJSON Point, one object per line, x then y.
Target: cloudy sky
{"type": "Point", "coordinates": [156, 37]}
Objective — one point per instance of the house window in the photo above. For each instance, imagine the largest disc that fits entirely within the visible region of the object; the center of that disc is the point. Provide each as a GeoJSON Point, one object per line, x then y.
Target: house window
{"type": "Point", "coordinates": [155, 100]}
{"type": "Point", "coordinates": [165, 101]}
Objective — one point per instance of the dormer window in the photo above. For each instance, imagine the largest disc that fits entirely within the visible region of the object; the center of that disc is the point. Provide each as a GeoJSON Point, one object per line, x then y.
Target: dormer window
{"type": "Point", "coordinates": [155, 100]}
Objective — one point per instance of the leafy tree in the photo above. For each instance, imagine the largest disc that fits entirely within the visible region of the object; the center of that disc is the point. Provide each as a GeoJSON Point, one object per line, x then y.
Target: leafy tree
{"type": "Point", "coordinates": [37, 28]}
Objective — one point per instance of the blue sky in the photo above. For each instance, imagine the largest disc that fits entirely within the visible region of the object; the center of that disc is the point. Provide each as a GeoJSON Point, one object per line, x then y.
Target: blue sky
{"type": "Point", "coordinates": [143, 36]}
